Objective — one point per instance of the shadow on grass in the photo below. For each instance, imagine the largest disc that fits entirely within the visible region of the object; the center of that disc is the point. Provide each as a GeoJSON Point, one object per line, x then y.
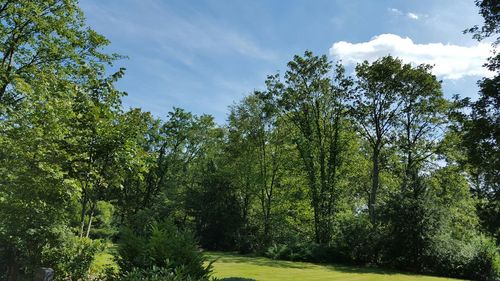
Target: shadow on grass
{"type": "Point", "coordinates": [236, 279]}
{"type": "Point", "coordinates": [223, 257]}
{"type": "Point", "coordinates": [260, 261]}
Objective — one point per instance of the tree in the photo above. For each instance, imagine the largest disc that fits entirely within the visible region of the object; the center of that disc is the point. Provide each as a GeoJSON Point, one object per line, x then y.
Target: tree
{"type": "Point", "coordinates": [95, 140]}
{"type": "Point", "coordinates": [421, 122]}
{"type": "Point", "coordinates": [34, 187]}
{"type": "Point", "coordinates": [481, 127]}
{"type": "Point", "coordinates": [49, 62]}
{"type": "Point", "coordinates": [314, 104]}
{"type": "Point", "coordinates": [214, 206]}
{"type": "Point", "coordinates": [419, 128]}
{"type": "Point", "coordinates": [45, 36]}
{"type": "Point", "coordinates": [256, 142]}
{"type": "Point", "coordinates": [375, 108]}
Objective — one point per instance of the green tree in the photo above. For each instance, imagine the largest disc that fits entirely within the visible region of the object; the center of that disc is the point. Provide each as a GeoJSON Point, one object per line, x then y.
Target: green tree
{"type": "Point", "coordinates": [421, 122]}
{"type": "Point", "coordinates": [375, 108]}
{"type": "Point", "coordinates": [34, 187]}
{"type": "Point", "coordinates": [256, 144]}
{"type": "Point", "coordinates": [45, 36]}
{"type": "Point", "coordinates": [216, 210]}
{"type": "Point", "coordinates": [314, 104]}
{"type": "Point", "coordinates": [419, 128]}
{"type": "Point", "coordinates": [481, 127]}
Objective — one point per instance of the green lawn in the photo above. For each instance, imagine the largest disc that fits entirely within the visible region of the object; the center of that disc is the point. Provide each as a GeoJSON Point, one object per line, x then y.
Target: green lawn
{"type": "Point", "coordinates": [263, 269]}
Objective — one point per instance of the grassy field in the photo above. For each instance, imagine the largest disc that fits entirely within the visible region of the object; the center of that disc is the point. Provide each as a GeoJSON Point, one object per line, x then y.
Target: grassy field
{"type": "Point", "coordinates": [263, 269]}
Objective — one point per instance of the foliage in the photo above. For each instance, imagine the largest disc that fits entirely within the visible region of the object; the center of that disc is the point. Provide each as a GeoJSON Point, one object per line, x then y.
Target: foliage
{"type": "Point", "coordinates": [480, 127]}
{"type": "Point", "coordinates": [216, 212]}
{"type": "Point", "coordinates": [163, 246]}
{"type": "Point", "coordinates": [159, 274]}
{"type": "Point", "coordinates": [71, 258]}
{"type": "Point", "coordinates": [313, 103]}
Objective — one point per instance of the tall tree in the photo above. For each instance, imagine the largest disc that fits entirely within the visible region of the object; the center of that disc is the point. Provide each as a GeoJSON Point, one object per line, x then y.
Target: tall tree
{"type": "Point", "coordinates": [314, 104]}
{"type": "Point", "coordinates": [481, 127]}
{"type": "Point", "coordinates": [375, 108]}
{"type": "Point", "coordinates": [94, 142]}
{"type": "Point", "coordinates": [421, 122]}
{"type": "Point", "coordinates": [33, 183]}
{"type": "Point", "coordinates": [45, 36]}
{"type": "Point", "coordinates": [257, 142]}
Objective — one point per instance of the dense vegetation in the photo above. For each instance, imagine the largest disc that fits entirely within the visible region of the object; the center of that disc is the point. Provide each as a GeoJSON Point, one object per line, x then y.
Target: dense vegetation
{"type": "Point", "coordinates": [376, 168]}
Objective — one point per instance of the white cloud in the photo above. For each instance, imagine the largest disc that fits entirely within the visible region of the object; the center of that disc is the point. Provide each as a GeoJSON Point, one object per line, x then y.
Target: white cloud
{"type": "Point", "coordinates": [395, 11]}
{"type": "Point", "coordinates": [450, 61]}
{"type": "Point", "coordinates": [412, 16]}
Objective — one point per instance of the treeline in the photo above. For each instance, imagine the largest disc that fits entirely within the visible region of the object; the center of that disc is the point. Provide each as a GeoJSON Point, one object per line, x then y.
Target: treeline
{"type": "Point", "coordinates": [377, 167]}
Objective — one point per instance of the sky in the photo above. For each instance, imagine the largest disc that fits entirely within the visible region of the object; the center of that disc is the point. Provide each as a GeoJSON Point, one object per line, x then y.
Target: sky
{"type": "Point", "coordinates": [204, 56]}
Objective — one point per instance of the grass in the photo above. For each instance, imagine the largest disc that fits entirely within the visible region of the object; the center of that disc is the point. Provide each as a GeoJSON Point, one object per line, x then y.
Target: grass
{"type": "Point", "coordinates": [263, 269]}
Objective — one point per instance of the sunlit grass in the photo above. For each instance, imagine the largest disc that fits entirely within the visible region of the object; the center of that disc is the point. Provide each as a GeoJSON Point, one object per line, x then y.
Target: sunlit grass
{"type": "Point", "coordinates": [263, 269]}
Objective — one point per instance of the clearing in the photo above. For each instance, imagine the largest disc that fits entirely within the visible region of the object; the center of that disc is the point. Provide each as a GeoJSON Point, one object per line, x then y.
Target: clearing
{"type": "Point", "coordinates": [263, 269]}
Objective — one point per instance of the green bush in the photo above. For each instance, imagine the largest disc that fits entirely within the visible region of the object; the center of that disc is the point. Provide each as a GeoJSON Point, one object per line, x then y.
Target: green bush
{"type": "Point", "coordinates": [485, 265]}
{"type": "Point", "coordinates": [276, 251]}
{"type": "Point", "coordinates": [159, 274]}
{"type": "Point", "coordinates": [310, 252]}
{"type": "Point", "coordinates": [163, 246]}
{"type": "Point", "coordinates": [72, 258]}
{"type": "Point", "coordinates": [477, 259]}
{"type": "Point", "coordinates": [358, 241]}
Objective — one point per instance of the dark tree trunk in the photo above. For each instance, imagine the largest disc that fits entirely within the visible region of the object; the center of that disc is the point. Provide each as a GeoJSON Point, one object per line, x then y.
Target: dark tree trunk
{"type": "Point", "coordinates": [375, 184]}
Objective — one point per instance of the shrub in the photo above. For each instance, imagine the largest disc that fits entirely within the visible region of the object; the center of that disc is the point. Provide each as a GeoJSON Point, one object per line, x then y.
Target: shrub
{"type": "Point", "coordinates": [276, 251]}
{"type": "Point", "coordinates": [159, 274]}
{"type": "Point", "coordinates": [164, 247]}
{"type": "Point", "coordinates": [485, 265]}
{"type": "Point", "coordinates": [311, 252]}
{"type": "Point", "coordinates": [477, 259]}
{"type": "Point", "coordinates": [72, 258]}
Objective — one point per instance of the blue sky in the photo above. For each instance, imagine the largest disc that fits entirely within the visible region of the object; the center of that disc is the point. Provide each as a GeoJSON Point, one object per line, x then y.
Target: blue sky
{"type": "Point", "coordinates": [205, 55]}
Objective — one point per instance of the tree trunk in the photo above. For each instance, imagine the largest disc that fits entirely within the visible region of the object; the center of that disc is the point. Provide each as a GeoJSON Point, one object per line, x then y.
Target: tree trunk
{"type": "Point", "coordinates": [375, 184]}
{"type": "Point", "coordinates": [12, 267]}
{"type": "Point", "coordinates": [91, 216]}
{"type": "Point", "coordinates": [82, 215]}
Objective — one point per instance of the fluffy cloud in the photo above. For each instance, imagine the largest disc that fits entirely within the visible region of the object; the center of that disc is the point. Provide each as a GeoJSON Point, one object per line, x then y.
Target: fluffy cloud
{"type": "Point", "coordinates": [450, 61]}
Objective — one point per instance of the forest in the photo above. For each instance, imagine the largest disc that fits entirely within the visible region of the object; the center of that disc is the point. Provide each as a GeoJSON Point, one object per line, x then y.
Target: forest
{"type": "Point", "coordinates": [370, 168]}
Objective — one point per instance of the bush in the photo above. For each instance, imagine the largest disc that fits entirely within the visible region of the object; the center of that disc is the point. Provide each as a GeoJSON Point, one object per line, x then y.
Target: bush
{"type": "Point", "coordinates": [276, 251]}
{"type": "Point", "coordinates": [357, 241]}
{"type": "Point", "coordinates": [162, 247]}
{"type": "Point", "coordinates": [310, 252]}
{"type": "Point", "coordinates": [72, 258]}
{"type": "Point", "coordinates": [477, 259]}
{"type": "Point", "coordinates": [159, 274]}
{"type": "Point", "coordinates": [485, 265]}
